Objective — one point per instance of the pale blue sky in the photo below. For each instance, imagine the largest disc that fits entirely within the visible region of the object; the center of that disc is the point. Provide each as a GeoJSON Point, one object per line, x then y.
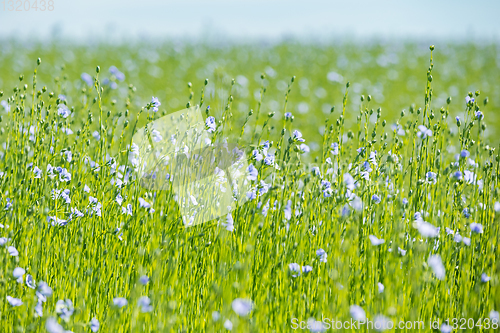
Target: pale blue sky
{"type": "Point", "coordinates": [123, 19]}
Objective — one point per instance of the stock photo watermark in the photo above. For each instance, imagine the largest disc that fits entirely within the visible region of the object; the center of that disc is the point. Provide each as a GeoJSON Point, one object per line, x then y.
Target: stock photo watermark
{"type": "Point", "coordinates": [382, 323]}
{"type": "Point", "coordinates": [210, 178]}
{"type": "Point", "coordinates": [176, 153]}
{"type": "Point", "coordinates": [27, 5]}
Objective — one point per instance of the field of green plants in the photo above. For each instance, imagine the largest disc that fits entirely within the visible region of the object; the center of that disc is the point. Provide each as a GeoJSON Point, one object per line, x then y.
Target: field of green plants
{"type": "Point", "coordinates": [372, 174]}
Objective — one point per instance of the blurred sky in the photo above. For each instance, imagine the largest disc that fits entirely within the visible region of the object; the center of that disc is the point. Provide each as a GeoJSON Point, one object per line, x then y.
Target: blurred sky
{"type": "Point", "coordinates": [241, 20]}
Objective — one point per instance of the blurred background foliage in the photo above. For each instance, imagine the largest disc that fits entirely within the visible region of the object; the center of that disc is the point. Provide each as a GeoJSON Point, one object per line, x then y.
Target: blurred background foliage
{"type": "Point", "coordinates": [393, 74]}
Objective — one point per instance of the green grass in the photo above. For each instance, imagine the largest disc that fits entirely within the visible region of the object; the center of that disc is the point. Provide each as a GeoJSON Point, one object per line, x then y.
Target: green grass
{"type": "Point", "coordinates": [198, 270]}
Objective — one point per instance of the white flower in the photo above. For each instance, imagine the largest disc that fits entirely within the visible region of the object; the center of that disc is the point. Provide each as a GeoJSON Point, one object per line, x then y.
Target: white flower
{"type": "Point", "coordinates": [5, 105]}
{"type": "Point", "coordinates": [494, 315]}
{"type": "Point", "coordinates": [94, 325]}
{"type": "Point", "coordinates": [476, 227]}
{"type": "Point", "coordinates": [349, 181]}
{"type": "Point", "coordinates": [119, 199]}
{"type": "Point", "coordinates": [39, 309]}
{"type": "Point", "coordinates": [446, 328]}
{"type": "Point", "coordinates": [12, 251]}
{"type": "Point", "coordinates": [144, 304]}
{"type": "Point", "coordinates": [65, 309]}
{"type": "Point", "coordinates": [14, 301]}
{"type": "Point", "coordinates": [357, 313]}
{"type": "Point", "coordinates": [322, 255]}
{"type": "Point", "coordinates": [426, 229]}
{"type": "Point", "coordinates": [120, 302]}
{"type": "Point", "coordinates": [423, 132]}
{"type": "Point", "coordinates": [57, 221]}
{"type": "Point", "coordinates": [96, 135]}
{"type": "Point", "coordinates": [228, 325]}
{"type": "Point", "coordinates": [210, 124]}
{"type": "Point", "coordinates": [76, 212]}
{"type": "Point", "coordinates": [44, 289]}
{"type": "Point", "coordinates": [297, 136]}
{"type": "Point", "coordinates": [294, 269]}
{"type": "Point", "coordinates": [437, 266]}
{"type": "Point", "coordinates": [229, 225]}
{"type": "Point", "coordinates": [143, 203]}
{"type": "Point", "coordinates": [53, 326]}
{"type": "Point", "coordinates": [381, 323]}
{"type": "Point", "coordinates": [380, 288]}
{"type": "Point", "coordinates": [375, 241]}
{"type": "Point", "coordinates": [252, 172]}
{"type": "Point", "coordinates": [30, 282]}
{"type": "Point", "coordinates": [69, 155]}
{"type": "Point", "coordinates": [307, 269]}
{"type": "Point", "coordinates": [66, 131]}
{"type": "Point", "coordinates": [335, 148]}
{"type": "Point", "coordinates": [315, 325]}
{"type": "Point", "coordinates": [485, 278]}
{"type": "Point", "coordinates": [19, 273]}
{"type": "Point", "coordinates": [242, 307]}
{"type": "Point", "coordinates": [63, 110]}
{"type": "Point", "coordinates": [37, 172]}
{"type": "Point", "coordinates": [288, 210]}
{"type": "Point", "coordinates": [155, 134]}
{"type": "Point", "coordinates": [127, 209]}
